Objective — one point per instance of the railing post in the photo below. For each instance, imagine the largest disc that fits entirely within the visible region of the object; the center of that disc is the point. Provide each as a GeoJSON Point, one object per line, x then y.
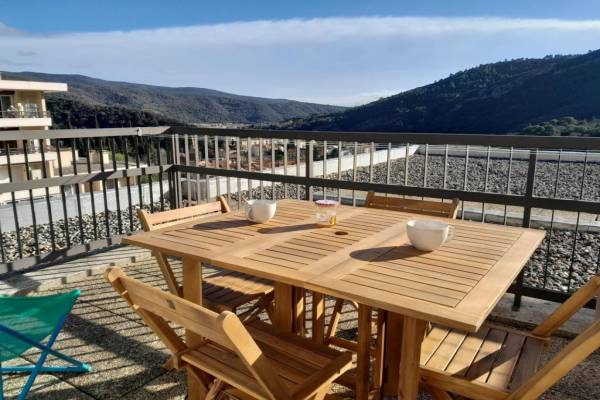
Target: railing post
{"type": "Point", "coordinates": [533, 155]}
{"type": "Point", "coordinates": [308, 159]}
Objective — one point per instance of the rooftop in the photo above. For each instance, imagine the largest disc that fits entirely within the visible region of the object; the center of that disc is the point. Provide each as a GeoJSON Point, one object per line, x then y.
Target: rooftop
{"type": "Point", "coordinates": [33, 86]}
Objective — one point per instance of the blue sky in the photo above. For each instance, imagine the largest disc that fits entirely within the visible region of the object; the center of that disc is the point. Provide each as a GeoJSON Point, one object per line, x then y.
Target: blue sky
{"type": "Point", "coordinates": [343, 52]}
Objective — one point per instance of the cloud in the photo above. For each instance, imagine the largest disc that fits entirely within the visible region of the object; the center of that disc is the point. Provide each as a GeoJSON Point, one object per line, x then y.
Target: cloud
{"type": "Point", "coordinates": [343, 60]}
{"type": "Point", "coordinates": [6, 30]}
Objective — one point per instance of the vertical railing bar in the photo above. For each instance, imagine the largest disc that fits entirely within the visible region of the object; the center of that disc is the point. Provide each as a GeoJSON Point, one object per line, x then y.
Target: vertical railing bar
{"type": "Point", "coordinates": [136, 143]}
{"type": "Point", "coordinates": [48, 204]}
{"type": "Point", "coordinates": [309, 156]}
{"type": "Point", "coordinates": [388, 172]}
{"type": "Point", "coordinates": [14, 202]}
{"type": "Point", "coordinates": [116, 185]}
{"type": "Point", "coordinates": [406, 155]}
{"type": "Point", "coordinates": [150, 184]}
{"type": "Point", "coordinates": [260, 166]}
{"type": "Point", "coordinates": [285, 166]}
{"type": "Point", "coordinates": [584, 175]}
{"type": "Point", "coordinates": [371, 155]}
{"type": "Point", "coordinates": [197, 163]}
{"type": "Point", "coordinates": [170, 159]}
{"type": "Point", "coordinates": [188, 183]}
{"type": "Point", "coordinates": [77, 192]}
{"type": "Point", "coordinates": [465, 180]}
{"type": "Point", "coordinates": [160, 176]}
{"type": "Point", "coordinates": [106, 211]}
{"type": "Point", "coordinates": [238, 165]}
{"type": "Point", "coordinates": [130, 206]}
{"type": "Point", "coordinates": [227, 155]}
{"type": "Point", "coordinates": [207, 163]}
{"type": "Point", "coordinates": [249, 152]}
{"type": "Point", "coordinates": [63, 196]}
{"type": "Point", "coordinates": [573, 249]}
{"type": "Point", "coordinates": [273, 194]}
{"type": "Point", "coordinates": [91, 188]}
{"type": "Point", "coordinates": [354, 162]}
{"type": "Point", "coordinates": [217, 178]}
{"type": "Point", "coordinates": [324, 167]}
{"type": "Point", "coordinates": [297, 142]}
{"type": "Point", "coordinates": [2, 252]}
{"type": "Point", "coordinates": [31, 203]}
{"type": "Point", "coordinates": [445, 177]}
{"type": "Point", "coordinates": [178, 189]}
{"type": "Point", "coordinates": [510, 159]}
{"type": "Point", "coordinates": [425, 164]}
{"type": "Point", "coordinates": [486, 180]}
{"type": "Point", "coordinates": [339, 174]}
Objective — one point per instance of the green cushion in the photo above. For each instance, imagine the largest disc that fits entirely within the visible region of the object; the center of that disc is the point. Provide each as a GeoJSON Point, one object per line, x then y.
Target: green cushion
{"type": "Point", "coordinates": [35, 317]}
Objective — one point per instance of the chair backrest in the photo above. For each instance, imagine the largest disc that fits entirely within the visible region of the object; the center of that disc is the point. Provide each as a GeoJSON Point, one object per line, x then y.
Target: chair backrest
{"type": "Point", "coordinates": [163, 219]}
{"type": "Point", "coordinates": [425, 207]}
{"type": "Point", "coordinates": [574, 353]}
{"type": "Point", "coordinates": [35, 317]}
{"type": "Point", "coordinates": [157, 308]}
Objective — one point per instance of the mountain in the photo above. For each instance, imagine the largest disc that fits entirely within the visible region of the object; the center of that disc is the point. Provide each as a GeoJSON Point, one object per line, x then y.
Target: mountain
{"type": "Point", "coordinates": [173, 106]}
{"type": "Point", "coordinates": [501, 97]}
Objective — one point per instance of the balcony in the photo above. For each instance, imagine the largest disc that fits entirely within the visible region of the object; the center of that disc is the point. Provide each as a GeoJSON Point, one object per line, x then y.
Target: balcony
{"type": "Point", "coordinates": [71, 235]}
{"type": "Point", "coordinates": [24, 119]}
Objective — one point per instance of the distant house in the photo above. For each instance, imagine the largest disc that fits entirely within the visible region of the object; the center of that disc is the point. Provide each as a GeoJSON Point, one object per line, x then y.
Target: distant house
{"type": "Point", "coordinates": [23, 107]}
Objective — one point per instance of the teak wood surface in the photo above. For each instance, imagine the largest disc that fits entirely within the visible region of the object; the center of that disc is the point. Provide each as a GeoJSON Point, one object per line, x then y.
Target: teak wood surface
{"type": "Point", "coordinates": [365, 258]}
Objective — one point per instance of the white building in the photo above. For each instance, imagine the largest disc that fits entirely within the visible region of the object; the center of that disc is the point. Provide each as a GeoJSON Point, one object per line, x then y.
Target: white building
{"type": "Point", "coordinates": [23, 107]}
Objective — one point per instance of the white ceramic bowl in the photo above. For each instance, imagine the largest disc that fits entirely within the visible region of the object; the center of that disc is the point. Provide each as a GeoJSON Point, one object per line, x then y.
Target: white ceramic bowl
{"type": "Point", "coordinates": [260, 211]}
{"type": "Point", "coordinates": [427, 235]}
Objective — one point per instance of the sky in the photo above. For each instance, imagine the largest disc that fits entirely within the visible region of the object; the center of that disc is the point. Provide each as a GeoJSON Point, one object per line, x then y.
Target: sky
{"type": "Point", "coordinates": [330, 51]}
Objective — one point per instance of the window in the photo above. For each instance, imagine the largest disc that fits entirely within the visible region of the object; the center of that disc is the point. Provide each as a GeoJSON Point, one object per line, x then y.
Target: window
{"type": "Point", "coordinates": [5, 102]}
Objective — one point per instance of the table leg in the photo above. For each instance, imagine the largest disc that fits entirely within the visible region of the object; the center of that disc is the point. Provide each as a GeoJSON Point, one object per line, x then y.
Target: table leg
{"type": "Point", "coordinates": [391, 349]}
{"type": "Point", "coordinates": [318, 317]}
{"type": "Point", "coordinates": [192, 291]}
{"type": "Point", "coordinates": [363, 357]}
{"type": "Point", "coordinates": [413, 331]}
{"type": "Point", "coordinates": [283, 315]}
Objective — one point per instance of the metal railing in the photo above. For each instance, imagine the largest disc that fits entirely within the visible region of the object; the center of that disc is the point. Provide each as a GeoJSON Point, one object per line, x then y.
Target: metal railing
{"type": "Point", "coordinates": [549, 183]}
{"type": "Point", "coordinates": [24, 114]}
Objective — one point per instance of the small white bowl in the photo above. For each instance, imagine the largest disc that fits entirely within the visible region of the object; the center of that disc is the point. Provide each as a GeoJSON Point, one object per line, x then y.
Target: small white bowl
{"type": "Point", "coordinates": [427, 235]}
{"type": "Point", "coordinates": [260, 211]}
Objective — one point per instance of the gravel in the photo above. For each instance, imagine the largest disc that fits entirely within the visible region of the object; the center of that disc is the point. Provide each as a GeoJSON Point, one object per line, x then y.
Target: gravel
{"type": "Point", "coordinates": [567, 263]}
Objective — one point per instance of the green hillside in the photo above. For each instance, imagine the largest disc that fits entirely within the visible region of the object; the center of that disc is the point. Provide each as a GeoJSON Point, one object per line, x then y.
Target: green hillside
{"type": "Point", "coordinates": [502, 97]}
{"type": "Point", "coordinates": [128, 101]}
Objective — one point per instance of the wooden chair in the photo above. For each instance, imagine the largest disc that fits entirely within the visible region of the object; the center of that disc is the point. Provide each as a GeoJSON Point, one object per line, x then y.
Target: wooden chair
{"type": "Point", "coordinates": [224, 290]}
{"type": "Point", "coordinates": [500, 363]}
{"type": "Point", "coordinates": [424, 207]}
{"type": "Point", "coordinates": [252, 361]}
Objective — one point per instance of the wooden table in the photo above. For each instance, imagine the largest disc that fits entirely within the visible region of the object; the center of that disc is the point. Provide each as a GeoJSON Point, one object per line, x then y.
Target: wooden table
{"type": "Point", "coordinates": [365, 258]}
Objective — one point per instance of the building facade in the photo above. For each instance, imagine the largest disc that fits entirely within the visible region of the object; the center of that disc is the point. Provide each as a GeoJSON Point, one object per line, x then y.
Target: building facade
{"type": "Point", "coordinates": [23, 107]}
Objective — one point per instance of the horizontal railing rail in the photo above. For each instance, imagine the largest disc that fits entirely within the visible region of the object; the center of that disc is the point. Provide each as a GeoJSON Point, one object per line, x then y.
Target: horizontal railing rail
{"type": "Point", "coordinates": [24, 114]}
{"type": "Point", "coordinates": [516, 141]}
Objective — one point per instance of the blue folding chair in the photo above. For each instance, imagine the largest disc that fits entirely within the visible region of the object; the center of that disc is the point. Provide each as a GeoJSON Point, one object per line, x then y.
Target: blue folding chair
{"type": "Point", "coordinates": [24, 323]}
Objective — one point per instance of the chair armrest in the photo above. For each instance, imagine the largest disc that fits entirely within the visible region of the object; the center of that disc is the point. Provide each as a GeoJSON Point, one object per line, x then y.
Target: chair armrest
{"type": "Point", "coordinates": [326, 375]}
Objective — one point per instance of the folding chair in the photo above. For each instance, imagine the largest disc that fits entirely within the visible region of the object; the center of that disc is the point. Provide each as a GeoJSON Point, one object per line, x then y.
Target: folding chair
{"type": "Point", "coordinates": [224, 290]}
{"type": "Point", "coordinates": [24, 323]}
{"type": "Point", "coordinates": [247, 361]}
{"type": "Point", "coordinates": [501, 363]}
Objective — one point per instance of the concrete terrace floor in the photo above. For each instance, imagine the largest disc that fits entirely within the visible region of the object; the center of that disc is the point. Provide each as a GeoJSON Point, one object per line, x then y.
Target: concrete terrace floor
{"type": "Point", "coordinates": [127, 357]}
